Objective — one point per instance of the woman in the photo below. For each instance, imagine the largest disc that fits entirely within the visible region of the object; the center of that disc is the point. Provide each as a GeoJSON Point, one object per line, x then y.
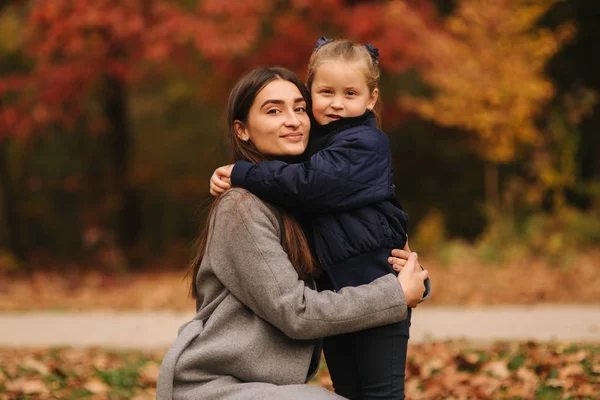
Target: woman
{"type": "Point", "coordinates": [257, 329]}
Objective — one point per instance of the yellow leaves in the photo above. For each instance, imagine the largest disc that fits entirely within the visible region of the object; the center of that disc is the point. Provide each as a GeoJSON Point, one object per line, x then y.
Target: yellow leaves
{"type": "Point", "coordinates": [96, 386]}
{"type": "Point", "coordinates": [457, 26]}
{"type": "Point", "coordinates": [64, 373]}
{"type": "Point", "coordinates": [570, 370]}
{"type": "Point", "coordinates": [11, 30]}
{"type": "Point", "coordinates": [430, 366]}
{"type": "Point", "coordinates": [150, 395]}
{"type": "Point", "coordinates": [526, 375]}
{"type": "Point", "coordinates": [487, 70]}
{"type": "Point", "coordinates": [430, 233]}
{"type": "Point", "coordinates": [567, 377]}
{"type": "Point", "coordinates": [555, 161]}
{"type": "Point", "coordinates": [434, 371]}
{"type": "Point", "coordinates": [27, 386]}
{"type": "Point", "coordinates": [498, 369]}
{"type": "Point", "coordinates": [149, 373]}
{"type": "Point", "coordinates": [36, 365]}
{"type": "Point", "coordinates": [8, 262]}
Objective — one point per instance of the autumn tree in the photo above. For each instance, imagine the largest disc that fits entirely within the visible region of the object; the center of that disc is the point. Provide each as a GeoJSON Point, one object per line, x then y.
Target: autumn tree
{"type": "Point", "coordinates": [84, 56]}
{"type": "Point", "coordinates": [487, 70]}
{"type": "Point", "coordinates": [9, 45]}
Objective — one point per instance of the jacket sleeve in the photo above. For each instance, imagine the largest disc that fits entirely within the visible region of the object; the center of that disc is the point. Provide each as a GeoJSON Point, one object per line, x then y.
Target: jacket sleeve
{"type": "Point", "coordinates": [355, 170]}
{"type": "Point", "coordinates": [247, 257]}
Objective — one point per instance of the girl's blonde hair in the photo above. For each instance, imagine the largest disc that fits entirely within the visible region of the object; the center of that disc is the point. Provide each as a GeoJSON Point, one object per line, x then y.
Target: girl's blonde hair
{"type": "Point", "coordinates": [349, 51]}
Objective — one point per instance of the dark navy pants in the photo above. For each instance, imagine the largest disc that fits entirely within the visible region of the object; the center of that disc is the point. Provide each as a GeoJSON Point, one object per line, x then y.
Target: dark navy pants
{"type": "Point", "coordinates": [369, 364]}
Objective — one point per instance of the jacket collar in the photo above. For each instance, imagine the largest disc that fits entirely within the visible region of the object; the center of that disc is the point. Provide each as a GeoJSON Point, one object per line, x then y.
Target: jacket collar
{"type": "Point", "coordinates": [368, 118]}
{"type": "Point", "coordinates": [321, 135]}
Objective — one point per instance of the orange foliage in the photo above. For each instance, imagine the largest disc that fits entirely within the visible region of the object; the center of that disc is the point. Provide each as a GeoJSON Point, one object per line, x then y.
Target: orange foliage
{"type": "Point", "coordinates": [487, 69]}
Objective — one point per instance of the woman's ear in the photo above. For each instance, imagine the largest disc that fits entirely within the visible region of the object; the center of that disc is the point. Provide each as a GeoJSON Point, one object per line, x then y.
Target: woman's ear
{"type": "Point", "coordinates": [373, 99]}
{"type": "Point", "coordinates": [241, 131]}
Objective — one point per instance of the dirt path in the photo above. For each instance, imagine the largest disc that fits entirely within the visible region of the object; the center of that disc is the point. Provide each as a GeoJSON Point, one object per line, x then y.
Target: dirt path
{"type": "Point", "coordinates": [156, 330]}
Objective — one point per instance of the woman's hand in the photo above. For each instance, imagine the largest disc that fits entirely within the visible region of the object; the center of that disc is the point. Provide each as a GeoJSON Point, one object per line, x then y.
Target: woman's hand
{"type": "Point", "coordinates": [399, 257]}
{"type": "Point", "coordinates": [220, 180]}
{"type": "Point", "coordinates": [412, 281]}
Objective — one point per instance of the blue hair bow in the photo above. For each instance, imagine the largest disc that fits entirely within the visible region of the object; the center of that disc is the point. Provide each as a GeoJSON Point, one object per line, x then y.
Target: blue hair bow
{"type": "Point", "coordinates": [374, 52]}
{"type": "Point", "coordinates": [322, 40]}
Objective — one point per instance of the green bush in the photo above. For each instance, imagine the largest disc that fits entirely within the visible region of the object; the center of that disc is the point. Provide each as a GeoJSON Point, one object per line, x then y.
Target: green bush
{"type": "Point", "coordinates": [554, 237]}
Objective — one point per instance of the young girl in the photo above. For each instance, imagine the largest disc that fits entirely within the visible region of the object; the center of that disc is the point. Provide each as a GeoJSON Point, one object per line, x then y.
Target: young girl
{"type": "Point", "coordinates": [344, 195]}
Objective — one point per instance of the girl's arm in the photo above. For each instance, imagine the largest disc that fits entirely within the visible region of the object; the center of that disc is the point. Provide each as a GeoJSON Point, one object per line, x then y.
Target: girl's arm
{"type": "Point", "coordinates": [355, 170]}
{"type": "Point", "coordinates": [247, 257]}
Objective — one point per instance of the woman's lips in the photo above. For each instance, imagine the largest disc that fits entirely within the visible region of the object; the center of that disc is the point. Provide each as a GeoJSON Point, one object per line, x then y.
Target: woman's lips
{"type": "Point", "coordinates": [293, 137]}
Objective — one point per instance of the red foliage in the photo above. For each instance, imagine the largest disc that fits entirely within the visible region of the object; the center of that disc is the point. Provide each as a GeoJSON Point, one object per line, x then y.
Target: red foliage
{"type": "Point", "coordinates": [76, 43]}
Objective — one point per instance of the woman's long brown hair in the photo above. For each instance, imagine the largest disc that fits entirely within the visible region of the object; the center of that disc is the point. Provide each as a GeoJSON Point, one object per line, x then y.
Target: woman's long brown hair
{"type": "Point", "coordinates": [240, 100]}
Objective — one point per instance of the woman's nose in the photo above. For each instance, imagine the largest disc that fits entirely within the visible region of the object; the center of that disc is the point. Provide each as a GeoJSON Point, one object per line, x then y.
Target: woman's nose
{"type": "Point", "coordinates": [292, 120]}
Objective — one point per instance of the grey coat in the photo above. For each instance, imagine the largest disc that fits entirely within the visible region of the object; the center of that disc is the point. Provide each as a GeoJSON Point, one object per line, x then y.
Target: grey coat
{"type": "Point", "coordinates": [257, 326]}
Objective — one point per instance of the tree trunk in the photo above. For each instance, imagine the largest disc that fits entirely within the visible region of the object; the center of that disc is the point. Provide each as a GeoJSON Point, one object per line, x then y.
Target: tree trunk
{"type": "Point", "coordinates": [128, 211]}
{"type": "Point", "coordinates": [9, 225]}
{"type": "Point", "coordinates": [492, 198]}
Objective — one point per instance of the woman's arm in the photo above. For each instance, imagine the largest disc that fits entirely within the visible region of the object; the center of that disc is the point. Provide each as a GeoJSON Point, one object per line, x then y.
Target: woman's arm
{"type": "Point", "coordinates": [247, 257]}
{"type": "Point", "coordinates": [355, 170]}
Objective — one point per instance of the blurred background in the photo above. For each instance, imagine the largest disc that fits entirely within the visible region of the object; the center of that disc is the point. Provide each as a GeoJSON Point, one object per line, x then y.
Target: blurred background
{"type": "Point", "coordinates": [111, 122]}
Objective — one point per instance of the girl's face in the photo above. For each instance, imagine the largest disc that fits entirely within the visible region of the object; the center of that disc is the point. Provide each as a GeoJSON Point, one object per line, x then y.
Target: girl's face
{"type": "Point", "coordinates": [277, 122]}
{"type": "Point", "coordinates": [339, 90]}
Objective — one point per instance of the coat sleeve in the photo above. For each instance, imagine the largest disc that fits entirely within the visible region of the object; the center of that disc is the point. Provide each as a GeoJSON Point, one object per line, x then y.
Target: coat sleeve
{"type": "Point", "coordinates": [247, 257]}
{"type": "Point", "coordinates": [354, 171]}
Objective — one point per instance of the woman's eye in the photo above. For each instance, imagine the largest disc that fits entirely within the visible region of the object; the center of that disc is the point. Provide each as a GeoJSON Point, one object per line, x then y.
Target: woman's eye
{"type": "Point", "coordinates": [273, 111]}
{"type": "Point", "coordinates": [301, 109]}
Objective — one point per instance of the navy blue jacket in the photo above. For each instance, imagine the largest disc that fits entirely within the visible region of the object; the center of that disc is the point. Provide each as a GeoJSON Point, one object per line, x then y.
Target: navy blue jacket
{"type": "Point", "coordinates": [346, 190]}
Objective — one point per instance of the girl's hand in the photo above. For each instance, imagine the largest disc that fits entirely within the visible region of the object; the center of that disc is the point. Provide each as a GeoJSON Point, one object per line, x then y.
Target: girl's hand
{"type": "Point", "coordinates": [220, 180]}
{"type": "Point", "coordinates": [399, 257]}
{"type": "Point", "coordinates": [412, 281]}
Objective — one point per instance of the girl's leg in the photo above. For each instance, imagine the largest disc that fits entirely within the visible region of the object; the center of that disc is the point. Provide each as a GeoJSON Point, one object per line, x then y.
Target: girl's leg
{"type": "Point", "coordinates": [381, 361]}
{"type": "Point", "coordinates": [339, 355]}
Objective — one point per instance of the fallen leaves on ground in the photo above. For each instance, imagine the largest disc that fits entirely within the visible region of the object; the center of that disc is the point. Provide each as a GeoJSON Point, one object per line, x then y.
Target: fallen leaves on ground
{"type": "Point", "coordinates": [450, 370]}
{"type": "Point", "coordinates": [78, 373]}
{"type": "Point", "coordinates": [162, 288]}
{"type": "Point", "coordinates": [502, 371]}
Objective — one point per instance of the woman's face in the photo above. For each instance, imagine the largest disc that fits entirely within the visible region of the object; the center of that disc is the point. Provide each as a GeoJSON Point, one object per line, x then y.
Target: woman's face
{"type": "Point", "coordinates": [278, 124]}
